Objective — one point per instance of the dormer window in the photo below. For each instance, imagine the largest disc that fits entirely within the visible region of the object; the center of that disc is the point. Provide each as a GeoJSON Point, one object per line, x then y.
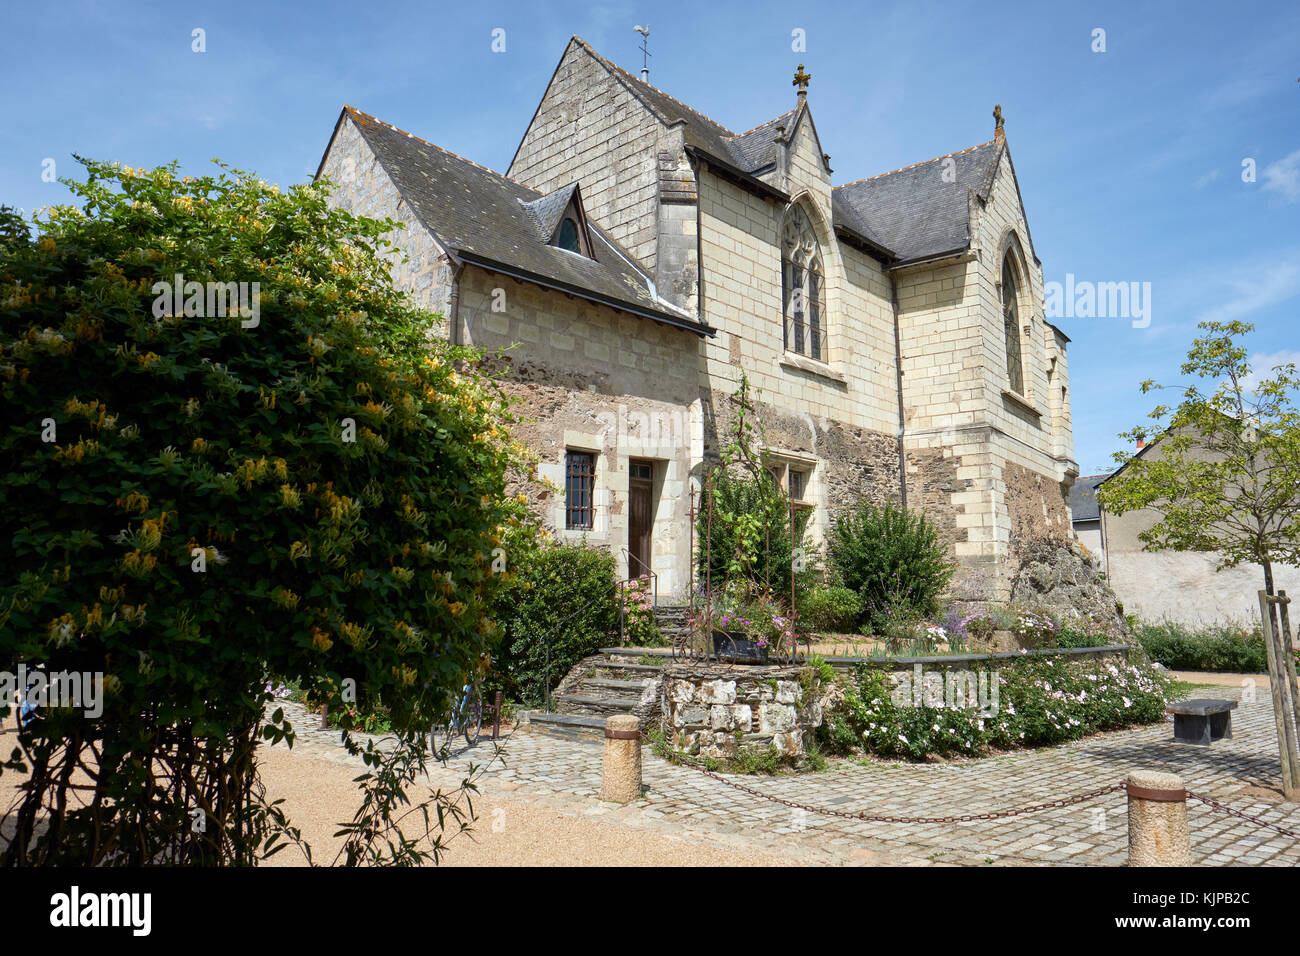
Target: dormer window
{"type": "Point", "coordinates": [560, 220]}
{"type": "Point", "coordinates": [568, 236]}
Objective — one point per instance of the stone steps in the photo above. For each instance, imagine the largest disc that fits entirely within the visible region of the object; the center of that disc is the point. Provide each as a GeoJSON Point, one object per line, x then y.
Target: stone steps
{"type": "Point", "coordinates": [606, 683]}
{"type": "Point", "coordinates": [648, 670]}
{"type": "Point", "coordinates": [613, 681]}
{"type": "Point", "coordinates": [579, 726]}
{"type": "Point", "coordinates": [592, 705]}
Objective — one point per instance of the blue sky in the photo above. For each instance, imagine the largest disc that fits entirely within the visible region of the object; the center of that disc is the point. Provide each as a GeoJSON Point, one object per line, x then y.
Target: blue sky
{"type": "Point", "coordinates": [1130, 161]}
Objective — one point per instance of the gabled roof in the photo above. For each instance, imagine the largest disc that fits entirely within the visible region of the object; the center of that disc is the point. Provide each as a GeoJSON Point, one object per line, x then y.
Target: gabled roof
{"type": "Point", "coordinates": [1083, 497]}
{"type": "Point", "coordinates": [748, 152]}
{"type": "Point", "coordinates": [916, 212]}
{"type": "Point", "coordinates": [481, 217]}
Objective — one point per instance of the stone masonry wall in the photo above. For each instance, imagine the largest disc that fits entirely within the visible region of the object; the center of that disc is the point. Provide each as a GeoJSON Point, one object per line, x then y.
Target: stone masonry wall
{"type": "Point", "coordinates": [716, 710]}
{"type": "Point", "coordinates": [590, 130]}
{"type": "Point", "coordinates": [591, 379]}
{"type": "Point", "coordinates": [363, 188]}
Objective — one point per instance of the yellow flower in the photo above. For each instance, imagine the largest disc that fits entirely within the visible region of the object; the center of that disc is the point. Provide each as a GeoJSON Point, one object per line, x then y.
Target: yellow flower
{"type": "Point", "coordinates": [320, 640]}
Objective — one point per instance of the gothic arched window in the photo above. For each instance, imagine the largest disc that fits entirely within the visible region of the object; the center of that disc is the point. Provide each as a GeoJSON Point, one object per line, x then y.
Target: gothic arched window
{"type": "Point", "coordinates": [1011, 327]}
{"type": "Point", "coordinates": [802, 287]}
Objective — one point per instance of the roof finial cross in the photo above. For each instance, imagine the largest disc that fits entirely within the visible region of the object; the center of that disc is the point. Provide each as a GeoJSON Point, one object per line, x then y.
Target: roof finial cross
{"type": "Point", "coordinates": [801, 80]}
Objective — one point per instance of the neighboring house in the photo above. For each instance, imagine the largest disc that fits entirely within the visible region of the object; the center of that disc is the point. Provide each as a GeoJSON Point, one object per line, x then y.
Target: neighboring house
{"type": "Point", "coordinates": [639, 256]}
{"type": "Point", "coordinates": [1085, 513]}
{"type": "Point", "coordinates": [1180, 586]}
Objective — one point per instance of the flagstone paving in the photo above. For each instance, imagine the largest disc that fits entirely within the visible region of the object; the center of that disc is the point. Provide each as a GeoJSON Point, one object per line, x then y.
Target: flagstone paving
{"type": "Point", "coordinates": [1241, 772]}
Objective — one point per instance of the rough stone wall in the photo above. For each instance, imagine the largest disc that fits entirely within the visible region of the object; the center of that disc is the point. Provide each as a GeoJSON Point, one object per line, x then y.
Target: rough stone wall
{"type": "Point", "coordinates": [1037, 506]}
{"type": "Point", "coordinates": [717, 710]}
{"type": "Point", "coordinates": [847, 463]}
{"type": "Point", "coordinates": [1056, 575]}
{"type": "Point", "coordinates": [932, 483]}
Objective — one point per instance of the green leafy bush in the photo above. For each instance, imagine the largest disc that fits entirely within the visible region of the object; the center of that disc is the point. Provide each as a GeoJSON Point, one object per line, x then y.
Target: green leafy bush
{"type": "Point", "coordinates": [1214, 648]}
{"type": "Point", "coordinates": [834, 609]}
{"type": "Point", "coordinates": [194, 499]}
{"type": "Point", "coordinates": [1040, 702]}
{"type": "Point", "coordinates": [564, 595]}
{"type": "Point", "coordinates": [893, 558]}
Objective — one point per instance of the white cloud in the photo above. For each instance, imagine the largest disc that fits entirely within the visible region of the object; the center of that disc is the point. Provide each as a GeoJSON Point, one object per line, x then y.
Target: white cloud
{"type": "Point", "coordinates": [1203, 181]}
{"type": "Point", "coordinates": [1263, 363]}
{"type": "Point", "coordinates": [1248, 293]}
{"type": "Point", "coordinates": [1283, 177]}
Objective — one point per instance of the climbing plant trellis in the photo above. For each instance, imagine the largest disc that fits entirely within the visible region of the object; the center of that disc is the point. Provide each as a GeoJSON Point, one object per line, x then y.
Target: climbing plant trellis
{"type": "Point", "coordinates": [696, 642]}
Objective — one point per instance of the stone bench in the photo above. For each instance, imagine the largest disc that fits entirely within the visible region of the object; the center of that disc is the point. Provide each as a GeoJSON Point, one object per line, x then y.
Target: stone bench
{"type": "Point", "coordinates": [1202, 720]}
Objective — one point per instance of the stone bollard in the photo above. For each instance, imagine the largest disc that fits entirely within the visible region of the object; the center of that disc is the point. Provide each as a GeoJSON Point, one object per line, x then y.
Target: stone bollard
{"type": "Point", "coordinates": [1157, 820]}
{"type": "Point", "coordinates": [620, 778]}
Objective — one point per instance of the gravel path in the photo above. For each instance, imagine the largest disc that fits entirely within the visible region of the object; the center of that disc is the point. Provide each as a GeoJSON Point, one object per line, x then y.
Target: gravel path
{"type": "Point", "coordinates": [512, 829]}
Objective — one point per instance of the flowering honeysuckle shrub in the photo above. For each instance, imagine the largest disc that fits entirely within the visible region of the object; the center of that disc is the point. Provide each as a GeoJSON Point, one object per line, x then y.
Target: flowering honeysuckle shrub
{"type": "Point", "coordinates": [232, 449]}
{"type": "Point", "coordinates": [1039, 702]}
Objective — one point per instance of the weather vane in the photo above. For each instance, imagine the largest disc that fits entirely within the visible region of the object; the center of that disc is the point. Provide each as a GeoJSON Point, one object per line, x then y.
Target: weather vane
{"type": "Point", "coordinates": [645, 53]}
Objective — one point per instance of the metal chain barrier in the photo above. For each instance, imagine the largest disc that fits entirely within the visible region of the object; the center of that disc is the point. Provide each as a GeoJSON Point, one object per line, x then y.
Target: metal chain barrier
{"type": "Point", "coordinates": [1232, 812]}
{"type": "Point", "coordinates": [970, 817]}
{"type": "Point", "coordinates": [878, 818]}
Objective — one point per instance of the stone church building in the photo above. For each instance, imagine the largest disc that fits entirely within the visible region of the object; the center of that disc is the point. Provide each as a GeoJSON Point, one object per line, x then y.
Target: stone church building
{"type": "Point", "coordinates": [637, 256]}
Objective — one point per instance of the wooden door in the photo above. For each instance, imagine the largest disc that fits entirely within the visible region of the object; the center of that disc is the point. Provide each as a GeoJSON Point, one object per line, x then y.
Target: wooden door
{"type": "Point", "coordinates": [640, 520]}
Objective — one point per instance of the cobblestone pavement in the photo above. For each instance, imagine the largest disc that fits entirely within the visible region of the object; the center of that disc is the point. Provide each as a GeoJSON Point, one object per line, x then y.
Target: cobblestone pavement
{"type": "Point", "coordinates": [1241, 772]}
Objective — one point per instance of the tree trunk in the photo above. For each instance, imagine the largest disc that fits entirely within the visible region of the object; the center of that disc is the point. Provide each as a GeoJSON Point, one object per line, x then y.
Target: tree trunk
{"type": "Point", "coordinates": [1268, 588]}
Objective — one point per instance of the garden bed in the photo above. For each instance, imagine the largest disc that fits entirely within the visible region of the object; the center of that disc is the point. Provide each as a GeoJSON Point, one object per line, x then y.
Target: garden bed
{"type": "Point", "coordinates": [1026, 700]}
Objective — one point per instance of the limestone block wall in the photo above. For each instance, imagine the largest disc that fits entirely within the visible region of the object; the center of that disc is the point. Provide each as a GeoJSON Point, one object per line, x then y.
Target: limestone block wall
{"type": "Point", "coordinates": [807, 172]}
{"type": "Point", "coordinates": [839, 417]}
{"type": "Point", "coordinates": [593, 379]}
{"type": "Point", "coordinates": [363, 188]}
{"type": "Point", "coordinates": [716, 710]}
{"type": "Point", "coordinates": [590, 130]}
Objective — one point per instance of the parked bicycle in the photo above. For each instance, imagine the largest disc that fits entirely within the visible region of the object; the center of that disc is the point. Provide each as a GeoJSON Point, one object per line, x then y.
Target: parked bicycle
{"type": "Point", "coordinates": [465, 717]}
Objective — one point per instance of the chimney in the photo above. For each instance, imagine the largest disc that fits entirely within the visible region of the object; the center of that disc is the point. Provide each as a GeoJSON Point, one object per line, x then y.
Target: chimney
{"type": "Point", "coordinates": [1142, 443]}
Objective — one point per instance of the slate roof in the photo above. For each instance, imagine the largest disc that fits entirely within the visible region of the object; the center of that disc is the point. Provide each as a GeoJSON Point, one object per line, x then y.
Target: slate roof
{"type": "Point", "coordinates": [757, 148]}
{"type": "Point", "coordinates": [909, 214]}
{"type": "Point", "coordinates": [749, 152]}
{"type": "Point", "coordinates": [546, 212]}
{"type": "Point", "coordinates": [486, 219]}
{"type": "Point", "coordinates": [1083, 497]}
{"type": "Point", "coordinates": [913, 212]}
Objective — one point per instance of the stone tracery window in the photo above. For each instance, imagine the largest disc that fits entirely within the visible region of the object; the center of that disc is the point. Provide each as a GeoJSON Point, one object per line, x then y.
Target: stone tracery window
{"type": "Point", "coordinates": [803, 287]}
{"type": "Point", "coordinates": [1011, 327]}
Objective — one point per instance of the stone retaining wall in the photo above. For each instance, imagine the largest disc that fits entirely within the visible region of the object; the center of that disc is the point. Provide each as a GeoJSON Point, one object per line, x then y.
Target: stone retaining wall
{"type": "Point", "coordinates": [718, 709]}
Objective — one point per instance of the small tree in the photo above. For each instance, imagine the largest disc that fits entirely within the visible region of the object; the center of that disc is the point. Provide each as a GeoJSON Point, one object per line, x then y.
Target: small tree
{"type": "Point", "coordinates": [1227, 479]}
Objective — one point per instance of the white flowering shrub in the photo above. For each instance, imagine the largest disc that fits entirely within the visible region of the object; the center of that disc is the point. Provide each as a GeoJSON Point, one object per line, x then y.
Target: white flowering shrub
{"type": "Point", "coordinates": [1040, 702]}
